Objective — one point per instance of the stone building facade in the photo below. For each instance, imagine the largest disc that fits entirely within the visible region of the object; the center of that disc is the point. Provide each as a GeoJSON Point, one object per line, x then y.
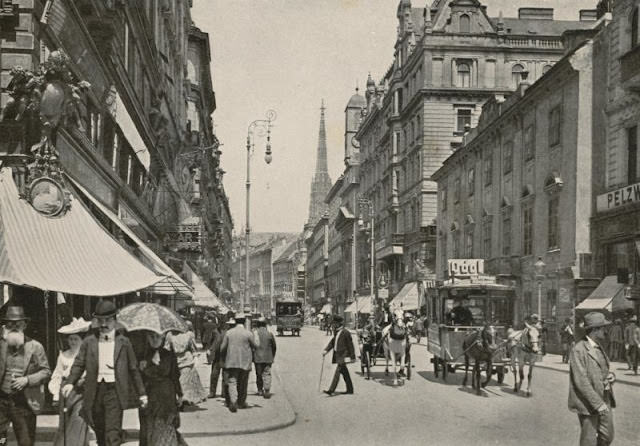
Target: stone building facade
{"type": "Point", "coordinates": [450, 58]}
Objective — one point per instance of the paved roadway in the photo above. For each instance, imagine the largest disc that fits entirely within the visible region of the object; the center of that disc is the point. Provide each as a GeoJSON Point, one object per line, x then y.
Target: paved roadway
{"type": "Point", "coordinates": [424, 410]}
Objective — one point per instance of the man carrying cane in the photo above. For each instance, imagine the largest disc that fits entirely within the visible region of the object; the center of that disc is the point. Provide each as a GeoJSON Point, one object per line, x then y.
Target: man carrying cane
{"type": "Point", "coordinates": [342, 346]}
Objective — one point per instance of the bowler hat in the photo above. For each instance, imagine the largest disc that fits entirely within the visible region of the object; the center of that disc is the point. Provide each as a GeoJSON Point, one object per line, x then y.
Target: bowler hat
{"type": "Point", "coordinates": [241, 316]}
{"type": "Point", "coordinates": [105, 308]}
{"type": "Point", "coordinates": [595, 320]}
{"type": "Point", "coordinates": [15, 313]}
{"type": "Point", "coordinates": [338, 319]}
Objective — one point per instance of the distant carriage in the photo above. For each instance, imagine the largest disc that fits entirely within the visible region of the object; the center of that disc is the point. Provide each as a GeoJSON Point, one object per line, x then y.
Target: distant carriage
{"type": "Point", "coordinates": [485, 301]}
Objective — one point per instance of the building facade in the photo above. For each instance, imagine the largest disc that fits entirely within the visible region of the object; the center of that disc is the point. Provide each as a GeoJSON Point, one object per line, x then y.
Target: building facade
{"type": "Point", "coordinates": [316, 239]}
{"type": "Point", "coordinates": [517, 190]}
{"type": "Point", "coordinates": [288, 270]}
{"type": "Point", "coordinates": [450, 58]}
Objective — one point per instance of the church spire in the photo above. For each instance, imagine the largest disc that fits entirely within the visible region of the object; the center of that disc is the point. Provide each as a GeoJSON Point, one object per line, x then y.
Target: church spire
{"type": "Point", "coordinates": [321, 160]}
{"type": "Point", "coordinates": [321, 183]}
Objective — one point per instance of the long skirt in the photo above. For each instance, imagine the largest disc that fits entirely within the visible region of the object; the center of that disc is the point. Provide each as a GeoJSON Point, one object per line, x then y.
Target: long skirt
{"type": "Point", "coordinates": [72, 425]}
{"type": "Point", "coordinates": [192, 390]}
{"type": "Point", "coordinates": [162, 432]}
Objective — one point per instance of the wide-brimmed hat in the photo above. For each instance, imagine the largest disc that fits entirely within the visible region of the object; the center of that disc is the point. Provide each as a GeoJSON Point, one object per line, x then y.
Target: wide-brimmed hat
{"type": "Point", "coordinates": [105, 308]}
{"type": "Point", "coordinates": [15, 313]}
{"type": "Point", "coordinates": [76, 326]}
{"type": "Point", "coordinates": [595, 320]}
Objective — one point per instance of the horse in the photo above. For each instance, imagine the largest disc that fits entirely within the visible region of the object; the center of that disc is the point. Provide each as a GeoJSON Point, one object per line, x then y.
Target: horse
{"type": "Point", "coordinates": [395, 340]}
{"type": "Point", "coordinates": [479, 345]}
{"type": "Point", "coordinates": [524, 348]}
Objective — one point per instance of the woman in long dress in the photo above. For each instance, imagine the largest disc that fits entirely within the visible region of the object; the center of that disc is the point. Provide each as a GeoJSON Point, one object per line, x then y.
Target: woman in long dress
{"type": "Point", "coordinates": [71, 425]}
{"type": "Point", "coordinates": [184, 346]}
{"type": "Point", "coordinates": [160, 419]}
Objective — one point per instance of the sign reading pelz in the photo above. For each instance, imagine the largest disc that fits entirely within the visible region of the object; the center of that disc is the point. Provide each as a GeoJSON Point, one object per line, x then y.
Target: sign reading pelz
{"type": "Point", "coordinates": [618, 198]}
{"type": "Point", "coordinates": [466, 267]}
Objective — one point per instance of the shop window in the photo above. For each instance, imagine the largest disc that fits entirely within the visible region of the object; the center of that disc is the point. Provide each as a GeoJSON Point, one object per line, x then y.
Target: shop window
{"type": "Point", "coordinates": [553, 222]}
{"type": "Point", "coordinates": [555, 122]}
{"type": "Point", "coordinates": [464, 75]}
{"type": "Point", "coordinates": [463, 122]}
{"type": "Point", "coordinates": [527, 230]}
{"type": "Point", "coordinates": [465, 24]}
{"type": "Point", "coordinates": [632, 154]}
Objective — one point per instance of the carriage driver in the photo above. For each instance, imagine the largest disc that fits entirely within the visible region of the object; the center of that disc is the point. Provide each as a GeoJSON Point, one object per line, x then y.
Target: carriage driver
{"type": "Point", "coordinates": [460, 314]}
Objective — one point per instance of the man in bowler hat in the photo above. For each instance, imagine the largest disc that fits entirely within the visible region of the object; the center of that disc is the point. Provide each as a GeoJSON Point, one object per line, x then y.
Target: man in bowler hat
{"type": "Point", "coordinates": [23, 370]}
{"type": "Point", "coordinates": [342, 346]}
{"type": "Point", "coordinates": [591, 384]}
{"type": "Point", "coordinates": [111, 369]}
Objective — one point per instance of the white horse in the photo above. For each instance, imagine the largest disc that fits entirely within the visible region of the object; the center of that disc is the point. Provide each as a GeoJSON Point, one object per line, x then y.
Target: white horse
{"type": "Point", "coordinates": [395, 344]}
{"type": "Point", "coordinates": [524, 348]}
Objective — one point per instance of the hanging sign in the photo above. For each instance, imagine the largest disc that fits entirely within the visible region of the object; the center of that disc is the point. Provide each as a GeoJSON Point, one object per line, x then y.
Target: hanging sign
{"type": "Point", "coordinates": [185, 238]}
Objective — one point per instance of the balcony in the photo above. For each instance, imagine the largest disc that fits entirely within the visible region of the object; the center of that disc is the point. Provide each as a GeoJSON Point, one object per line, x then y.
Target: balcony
{"type": "Point", "coordinates": [392, 246]}
{"type": "Point", "coordinates": [630, 70]}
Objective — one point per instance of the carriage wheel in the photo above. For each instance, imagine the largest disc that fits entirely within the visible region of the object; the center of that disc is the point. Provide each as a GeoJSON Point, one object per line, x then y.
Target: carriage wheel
{"type": "Point", "coordinates": [445, 370]}
{"type": "Point", "coordinates": [434, 360]}
{"type": "Point", "coordinates": [500, 375]}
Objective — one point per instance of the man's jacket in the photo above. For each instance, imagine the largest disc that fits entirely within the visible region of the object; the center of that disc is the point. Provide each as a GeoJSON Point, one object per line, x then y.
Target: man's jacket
{"type": "Point", "coordinates": [238, 342]}
{"type": "Point", "coordinates": [588, 370]}
{"type": "Point", "coordinates": [342, 346]}
{"type": "Point", "coordinates": [266, 351]}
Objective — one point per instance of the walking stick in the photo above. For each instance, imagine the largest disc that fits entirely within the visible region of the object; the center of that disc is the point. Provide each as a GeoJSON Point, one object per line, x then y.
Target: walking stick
{"type": "Point", "coordinates": [321, 370]}
{"type": "Point", "coordinates": [64, 420]}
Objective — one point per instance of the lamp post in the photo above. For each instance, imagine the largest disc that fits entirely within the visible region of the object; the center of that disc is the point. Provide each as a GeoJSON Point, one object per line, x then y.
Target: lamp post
{"type": "Point", "coordinates": [365, 203]}
{"type": "Point", "coordinates": [263, 125]}
{"type": "Point", "coordinates": [539, 268]}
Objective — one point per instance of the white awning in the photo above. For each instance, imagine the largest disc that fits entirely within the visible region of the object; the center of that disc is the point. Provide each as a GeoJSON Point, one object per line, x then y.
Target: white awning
{"type": "Point", "coordinates": [202, 295]}
{"type": "Point", "coordinates": [609, 295]}
{"type": "Point", "coordinates": [129, 130]}
{"type": "Point", "coordinates": [408, 298]}
{"type": "Point", "coordinates": [362, 304]}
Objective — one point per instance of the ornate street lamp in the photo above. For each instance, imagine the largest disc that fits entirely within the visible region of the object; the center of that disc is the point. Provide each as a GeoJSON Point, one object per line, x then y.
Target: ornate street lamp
{"type": "Point", "coordinates": [262, 125]}
{"type": "Point", "coordinates": [539, 269]}
{"type": "Point", "coordinates": [366, 204]}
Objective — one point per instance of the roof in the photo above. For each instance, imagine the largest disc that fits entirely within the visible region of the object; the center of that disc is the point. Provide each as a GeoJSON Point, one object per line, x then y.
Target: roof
{"type": "Point", "coordinates": [288, 252]}
{"type": "Point", "coordinates": [609, 295]}
{"type": "Point", "coordinates": [69, 254]}
{"type": "Point", "coordinates": [516, 26]}
{"type": "Point", "coordinates": [357, 101]}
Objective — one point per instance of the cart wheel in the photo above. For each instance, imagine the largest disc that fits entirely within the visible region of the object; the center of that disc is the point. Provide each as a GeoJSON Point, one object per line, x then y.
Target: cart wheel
{"type": "Point", "coordinates": [500, 375]}
{"type": "Point", "coordinates": [445, 370]}
{"type": "Point", "coordinates": [434, 360]}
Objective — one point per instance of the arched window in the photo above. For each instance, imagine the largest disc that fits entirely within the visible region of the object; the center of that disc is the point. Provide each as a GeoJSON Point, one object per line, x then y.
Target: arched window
{"type": "Point", "coordinates": [191, 72]}
{"type": "Point", "coordinates": [516, 75]}
{"type": "Point", "coordinates": [634, 27]}
{"type": "Point", "coordinates": [464, 75]}
{"type": "Point", "coordinates": [545, 69]}
{"type": "Point", "coordinates": [465, 24]}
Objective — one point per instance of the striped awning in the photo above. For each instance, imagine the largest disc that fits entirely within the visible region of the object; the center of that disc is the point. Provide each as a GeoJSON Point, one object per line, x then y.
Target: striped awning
{"type": "Point", "coordinates": [170, 282]}
{"type": "Point", "coordinates": [69, 254]}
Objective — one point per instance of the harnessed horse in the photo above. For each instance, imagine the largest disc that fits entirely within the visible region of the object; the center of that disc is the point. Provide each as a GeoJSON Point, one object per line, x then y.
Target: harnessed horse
{"type": "Point", "coordinates": [479, 345]}
{"type": "Point", "coordinates": [395, 340]}
{"type": "Point", "coordinates": [524, 347]}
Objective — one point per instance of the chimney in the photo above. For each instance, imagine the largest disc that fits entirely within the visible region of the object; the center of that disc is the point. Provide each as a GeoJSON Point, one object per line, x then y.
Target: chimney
{"type": "Point", "coordinates": [535, 13]}
{"type": "Point", "coordinates": [588, 15]}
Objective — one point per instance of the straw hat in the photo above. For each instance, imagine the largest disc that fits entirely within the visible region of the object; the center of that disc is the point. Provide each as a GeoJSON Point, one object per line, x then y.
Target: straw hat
{"type": "Point", "coordinates": [595, 320]}
{"type": "Point", "coordinates": [76, 326]}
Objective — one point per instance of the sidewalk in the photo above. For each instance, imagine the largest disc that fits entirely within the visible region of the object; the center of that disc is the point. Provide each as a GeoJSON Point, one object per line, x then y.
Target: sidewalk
{"type": "Point", "coordinates": [623, 374]}
{"type": "Point", "coordinates": [210, 418]}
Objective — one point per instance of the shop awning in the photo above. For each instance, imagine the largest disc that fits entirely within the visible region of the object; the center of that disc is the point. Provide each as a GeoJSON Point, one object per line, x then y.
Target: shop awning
{"type": "Point", "coordinates": [129, 130]}
{"type": "Point", "coordinates": [202, 295]}
{"type": "Point", "coordinates": [170, 283]}
{"type": "Point", "coordinates": [408, 298]}
{"type": "Point", "coordinates": [609, 295]}
{"type": "Point", "coordinates": [69, 254]}
{"type": "Point", "coordinates": [362, 304]}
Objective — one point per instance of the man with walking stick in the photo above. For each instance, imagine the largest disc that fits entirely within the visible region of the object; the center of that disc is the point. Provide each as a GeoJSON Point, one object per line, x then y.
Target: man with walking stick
{"type": "Point", "coordinates": [342, 346]}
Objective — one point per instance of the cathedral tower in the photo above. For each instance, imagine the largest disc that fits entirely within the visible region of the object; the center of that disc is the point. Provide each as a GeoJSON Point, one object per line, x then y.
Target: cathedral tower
{"type": "Point", "coordinates": [321, 183]}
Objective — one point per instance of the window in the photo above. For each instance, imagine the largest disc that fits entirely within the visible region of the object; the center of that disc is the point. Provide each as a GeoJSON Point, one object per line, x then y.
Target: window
{"type": "Point", "coordinates": [554, 229]}
{"type": "Point", "coordinates": [488, 169]}
{"type": "Point", "coordinates": [464, 120]}
{"type": "Point", "coordinates": [471, 181]}
{"type": "Point", "coordinates": [456, 190]}
{"type": "Point", "coordinates": [634, 27]}
{"type": "Point", "coordinates": [545, 69]}
{"type": "Point", "coordinates": [506, 233]}
{"type": "Point", "coordinates": [632, 154]}
{"type": "Point", "coordinates": [469, 243]}
{"type": "Point", "coordinates": [443, 199]}
{"type": "Point", "coordinates": [529, 146]}
{"type": "Point", "coordinates": [95, 124]}
{"type": "Point", "coordinates": [465, 24]}
{"type": "Point", "coordinates": [527, 230]}
{"type": "Point", "coordinates": [555, 119]}
{"type": "Point", "coordinates": [486, 236]}
{"type": "Point", "coordinates": [517, 75]}
{"type": "Point", "coordinates": [464, 75]}
{"type": "Point", "coordinates": [114, 153]}
{"type": "Point", "coordinates": [552, 305]}
{"type": "Point", "coordinates": [508, 157]}
{"type": "Point", "coordinates": [129, 169]}
{"type": "Point", "coordinates": [455, 241]}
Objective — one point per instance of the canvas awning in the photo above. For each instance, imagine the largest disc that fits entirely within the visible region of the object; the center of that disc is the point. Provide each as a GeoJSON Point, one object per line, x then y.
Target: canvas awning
{"type": "Point", "coordinates": [170, 283]}
{"type": "Point", "coordinates": [69, 254]}
{"type": "Point", "coordinates": [202, 295]}
{"type": "Point", "coordinates": [609, 295]}
{"type": "Point", "coordinates": [408, 298]}
{"type": "Point", "coordinates": [130, 131]}
{"type": "Point", "coordinates": [362, 304]}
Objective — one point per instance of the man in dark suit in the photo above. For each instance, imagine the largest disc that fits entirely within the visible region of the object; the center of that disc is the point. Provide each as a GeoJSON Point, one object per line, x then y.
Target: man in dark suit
{"type": "Point", "coordinates": [111, 373]}
{"type": "Point", "coordinates": [239, 344]}
{"type": "Point", "coordinates": [23, 370]}
{"type": "Point", "coordinates": [342, 346]}
{"type": "Point", "coordinates": [263, 357]}
{"type": "Point", "coordinates": [591, 384]}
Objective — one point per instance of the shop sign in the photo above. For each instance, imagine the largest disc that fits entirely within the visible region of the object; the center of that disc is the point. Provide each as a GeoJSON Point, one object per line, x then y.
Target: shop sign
{"type": "Point", "coordinates": [618, 198]}
{"type": "Point", "coordinates": [465, 267]}
{"type": "Point", "coordinates": [383, 293]}
{"type": "Point", "coordinates": [185, 238]}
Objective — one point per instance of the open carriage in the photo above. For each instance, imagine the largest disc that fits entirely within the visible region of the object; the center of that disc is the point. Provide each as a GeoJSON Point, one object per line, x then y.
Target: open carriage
{"type": "Point", "coordinates": [484, 300]}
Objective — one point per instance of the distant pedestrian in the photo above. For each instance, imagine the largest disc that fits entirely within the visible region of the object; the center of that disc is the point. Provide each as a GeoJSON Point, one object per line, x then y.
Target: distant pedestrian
{"type": "Point", "coordinates": [616, 340]}
{"type": "Point", "coordinates": [591, 384]}
{"type": "Point", "coordinates": [342, 346]}
{"type": "Point", "coordinates": [631, 344]}
{"type": "Point", "coordinates": [184, 345]}
{"type": "Point", "coordinates": [23, 370]}
{"type": "Point", "coordinates": [209, 330]}
{"type": "Point", "coordinates": [263, 357]}
{"type": "Point", "coordinates": [328, 324]}
{"type": "Point", "coordinates": [567, 339]}
{"type": "Point", "coordinates": [238, 342]}
{"type": "Point", "coordinates": [217, 362]}
{"type": "Point", "coordinates": [111, 368]}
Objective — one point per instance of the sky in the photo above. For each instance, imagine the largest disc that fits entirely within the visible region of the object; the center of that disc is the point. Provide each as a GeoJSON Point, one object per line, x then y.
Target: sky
{"type": "Point", "coordinates": [289, 55]}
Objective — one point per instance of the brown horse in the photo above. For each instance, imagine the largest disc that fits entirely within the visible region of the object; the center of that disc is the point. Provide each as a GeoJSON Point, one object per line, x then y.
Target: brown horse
{"type": "Point", "coordinates": [479, 345]}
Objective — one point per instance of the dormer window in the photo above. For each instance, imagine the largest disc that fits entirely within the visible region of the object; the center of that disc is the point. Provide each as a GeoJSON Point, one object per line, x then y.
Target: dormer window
{"type": "Point", "coordinates": [465, 24]}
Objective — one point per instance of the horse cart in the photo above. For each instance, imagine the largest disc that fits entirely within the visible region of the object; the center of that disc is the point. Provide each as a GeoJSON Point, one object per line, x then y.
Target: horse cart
{"type": "Point", "coordinates": [457, 309]}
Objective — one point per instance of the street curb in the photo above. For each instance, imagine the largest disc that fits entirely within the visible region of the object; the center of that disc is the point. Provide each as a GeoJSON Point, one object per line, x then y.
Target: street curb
{"type": "Point", "coordinates": [618, 380]}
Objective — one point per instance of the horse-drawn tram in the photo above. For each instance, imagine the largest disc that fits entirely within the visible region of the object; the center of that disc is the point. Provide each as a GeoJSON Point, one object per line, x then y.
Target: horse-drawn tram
{"type": "Point", "coordinates": [467, 316]}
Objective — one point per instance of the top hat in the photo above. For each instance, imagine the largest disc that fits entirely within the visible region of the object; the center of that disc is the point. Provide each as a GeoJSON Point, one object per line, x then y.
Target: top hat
{"type": "Point", "coordinates": [76, 326]}
{"type": "Point", "coordinates": [105, 308]}
{"type": "Point", "coordinates": [595, 320]}
{"type": "Point", "coordinates": [15, 313]}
